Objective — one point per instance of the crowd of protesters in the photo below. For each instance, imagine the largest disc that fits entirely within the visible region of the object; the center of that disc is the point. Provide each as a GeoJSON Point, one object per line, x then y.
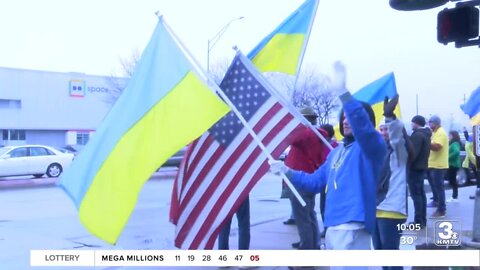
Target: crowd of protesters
{"type": "Point", "coordinates": [366, 180]}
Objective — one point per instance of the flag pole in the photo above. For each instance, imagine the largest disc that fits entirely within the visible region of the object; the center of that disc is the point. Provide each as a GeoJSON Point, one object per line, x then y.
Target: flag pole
{"type": "Point", "coordinates": [304, 46]}
{"type": "Point", "coordinates": [293, 110]}
{"type": "Point", "coordinates": [296, 113]}
{"type": "Point", "coordinates": [225, 98]}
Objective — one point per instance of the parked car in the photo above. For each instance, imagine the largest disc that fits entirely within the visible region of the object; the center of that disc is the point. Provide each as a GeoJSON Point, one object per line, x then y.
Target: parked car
{"type": "Point", "coordinates": [36, 160]}
{"type": "Point", "coordinates": [74, 149]}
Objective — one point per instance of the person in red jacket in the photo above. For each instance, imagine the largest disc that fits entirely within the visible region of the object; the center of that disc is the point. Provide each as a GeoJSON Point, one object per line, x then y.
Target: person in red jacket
{"type": "Point", "coordinates": [307, 153]}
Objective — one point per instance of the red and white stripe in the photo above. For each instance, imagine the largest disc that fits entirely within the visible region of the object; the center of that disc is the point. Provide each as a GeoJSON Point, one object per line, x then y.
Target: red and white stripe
{"type": "Point", "coordinates": [212, 182]}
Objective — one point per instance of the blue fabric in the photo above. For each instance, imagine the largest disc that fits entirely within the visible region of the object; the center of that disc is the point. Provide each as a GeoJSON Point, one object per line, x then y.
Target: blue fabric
{"type": "Point", "coordinates": [436, 177]}
{"type": "Point", "coordinates": [298, 22]}
{"type": "Point", "coordinates": [387, 237]}
{"type": "Point", "coordinates": [354, 198]}
{"type": "Point", "coordinates": [161, 67]}
{"type": "Point", "coordinates": [417, 192]}
{"type": "Point", "coordinates": [376, 91]}
{"type": "Point", "coordinates": [472, 107]}
{"type": "Point", "coordinates": [243, 218]}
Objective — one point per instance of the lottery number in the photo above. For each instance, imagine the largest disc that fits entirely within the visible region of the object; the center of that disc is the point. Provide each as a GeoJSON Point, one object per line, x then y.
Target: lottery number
{"type": "Point", "coordinates": [222, 258]}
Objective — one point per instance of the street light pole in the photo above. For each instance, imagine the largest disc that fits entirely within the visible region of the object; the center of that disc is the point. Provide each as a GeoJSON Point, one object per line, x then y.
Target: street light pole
{"type": "Point", "coordinates": [212, 41]}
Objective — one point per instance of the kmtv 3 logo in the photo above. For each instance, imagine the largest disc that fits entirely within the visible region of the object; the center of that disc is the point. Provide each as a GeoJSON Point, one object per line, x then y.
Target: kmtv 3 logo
{"type": "Point", "coordinates": [447, 233]}
{"type": "Point", "coordinates": [77, 88]}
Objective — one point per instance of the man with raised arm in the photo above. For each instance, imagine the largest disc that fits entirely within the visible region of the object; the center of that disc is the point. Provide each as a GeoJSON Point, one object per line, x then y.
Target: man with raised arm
{"type": "Point", "coordinates": [349, 176]}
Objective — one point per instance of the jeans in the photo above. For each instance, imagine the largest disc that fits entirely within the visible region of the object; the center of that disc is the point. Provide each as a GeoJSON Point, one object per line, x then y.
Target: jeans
{"type": "Point", "coordinates": [434, 192]}
{"type": "Point", "coordinates": [417, 192]}
{"type": "Point", "coordinates": [437, 176]}
{"type": "Point", "coordinates": [452, 180]}
{"type": "Point", "coordinates": [387, 236]}
{"type": "Point", "coordinates": [306, 220]}
{"type": "Point", "coordinates": [477, 177]}
{"type": "Point", "coordinates": [243, 218]}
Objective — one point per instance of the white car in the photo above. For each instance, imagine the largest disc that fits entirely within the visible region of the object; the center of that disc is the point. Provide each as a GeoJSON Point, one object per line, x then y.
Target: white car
{"type": "Point", "coordinates": [35, 160]}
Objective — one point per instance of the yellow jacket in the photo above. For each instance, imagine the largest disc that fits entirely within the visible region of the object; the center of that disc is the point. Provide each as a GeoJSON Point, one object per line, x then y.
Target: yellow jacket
{"type": "Point", "coordinates": [470, 158]}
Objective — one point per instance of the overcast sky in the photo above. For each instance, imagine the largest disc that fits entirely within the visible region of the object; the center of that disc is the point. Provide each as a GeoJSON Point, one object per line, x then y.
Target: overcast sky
{"type": "Point", "coordinates": [368, 36]}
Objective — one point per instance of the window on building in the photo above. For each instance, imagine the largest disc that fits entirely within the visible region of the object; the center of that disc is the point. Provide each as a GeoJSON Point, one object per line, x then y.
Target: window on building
{"type": "Point", "coordinates": [82, 138]}
{"type": "Point", "coordinates": [10, 103]}
{"type": "Point", "coordinates": [13, 135]}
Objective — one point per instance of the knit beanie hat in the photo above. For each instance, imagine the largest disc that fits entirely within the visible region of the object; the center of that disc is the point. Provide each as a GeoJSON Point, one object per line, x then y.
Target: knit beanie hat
{"type": "Point", "coordinates": [419, 120]}
{"type": "Point", "coordinates": [435, 119]}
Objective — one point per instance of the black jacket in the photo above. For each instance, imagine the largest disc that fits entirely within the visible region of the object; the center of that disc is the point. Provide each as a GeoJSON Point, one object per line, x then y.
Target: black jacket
{"type": "Point", "coordinates": [421, 139]}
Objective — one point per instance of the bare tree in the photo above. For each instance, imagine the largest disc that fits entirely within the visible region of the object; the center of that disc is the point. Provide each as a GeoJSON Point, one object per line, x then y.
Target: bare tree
{"type": "Point", "coordinates": [119, 82]}
{"type": "Point", "coordinates": [311, 89]}
{"type": "Point", "coordinates": [218, 70]}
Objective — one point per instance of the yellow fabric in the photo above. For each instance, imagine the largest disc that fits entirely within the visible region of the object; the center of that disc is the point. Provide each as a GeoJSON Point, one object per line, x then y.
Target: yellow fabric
{"type": "Point", "coordinates": [475, 120]}
{"type": "Point", "coordinates": [439, 159]}
{"type": "Point", "coordinates": [470, 156]}
{"type": "Point", "coordinates": [281, 54]}
{"type": "Point", "coordinates": [378, 110]}
{"type": "Point", "coordinates": [389, 214]}
{"type": "Point", "coordinates": [180, 117]}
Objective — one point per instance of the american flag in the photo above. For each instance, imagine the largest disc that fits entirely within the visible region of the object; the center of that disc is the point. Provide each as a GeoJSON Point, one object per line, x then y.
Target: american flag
{"type": "Point", "coordinates": [224, 164]}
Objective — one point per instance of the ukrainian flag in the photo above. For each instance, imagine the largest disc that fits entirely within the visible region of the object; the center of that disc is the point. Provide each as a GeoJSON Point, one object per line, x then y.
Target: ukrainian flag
{"type": "Point", "coordinates": [283, 49]}
{"type": "Point", "coordinates": [472, 107]}
{"type": "Point", "coordinates": [164, 107]}
{"type": "Point", "coordinates": [375, 92]}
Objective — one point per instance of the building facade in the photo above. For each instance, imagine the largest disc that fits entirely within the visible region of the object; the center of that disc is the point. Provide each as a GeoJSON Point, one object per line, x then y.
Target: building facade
{"type": "Point", "coordinates": [53, 108]}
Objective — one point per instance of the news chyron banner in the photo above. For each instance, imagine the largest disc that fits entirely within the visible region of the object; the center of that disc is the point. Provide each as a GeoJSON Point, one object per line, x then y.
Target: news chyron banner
{"type": "Point", "coordinates": [254, 258]}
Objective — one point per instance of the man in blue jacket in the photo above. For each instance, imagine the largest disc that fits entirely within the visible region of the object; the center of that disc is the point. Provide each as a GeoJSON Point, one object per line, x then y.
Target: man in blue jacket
{"type": "Point", "coordinates": [349, 176]}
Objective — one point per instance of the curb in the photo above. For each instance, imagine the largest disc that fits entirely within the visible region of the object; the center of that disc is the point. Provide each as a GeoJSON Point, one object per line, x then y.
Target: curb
{"type": "Point", "coordinates": [468, 242]}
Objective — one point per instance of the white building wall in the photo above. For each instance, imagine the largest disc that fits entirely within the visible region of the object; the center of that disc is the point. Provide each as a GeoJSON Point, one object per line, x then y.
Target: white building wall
{"type": "Point", "coordinates": [49, 104]}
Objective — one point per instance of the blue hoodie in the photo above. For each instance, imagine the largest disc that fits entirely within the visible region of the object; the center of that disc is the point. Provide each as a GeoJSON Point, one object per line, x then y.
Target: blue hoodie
{"type": "Point", "coordinates": [351, 187]}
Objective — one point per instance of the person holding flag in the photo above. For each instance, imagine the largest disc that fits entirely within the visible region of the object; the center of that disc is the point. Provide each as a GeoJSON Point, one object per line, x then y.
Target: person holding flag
{"type": "Point", "coordinates": [307, 153]}
{"type": "Point", "coordinates": [349, 175]}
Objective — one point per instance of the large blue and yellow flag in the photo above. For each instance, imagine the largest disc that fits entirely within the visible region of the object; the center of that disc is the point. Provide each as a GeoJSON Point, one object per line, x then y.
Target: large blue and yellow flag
{"type": "Point", "coordinates": [283, 49]}
{"type": "Point", "coordinates": [375, 92]}
{"type": "Point", "coordinates": [164, 107]}
{"type": "Point", "coordinates": [472, 107]}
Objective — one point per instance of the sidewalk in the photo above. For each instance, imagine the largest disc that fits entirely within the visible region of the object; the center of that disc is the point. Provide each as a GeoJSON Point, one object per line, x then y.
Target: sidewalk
{"type": "Point", "coordinates": [273, 234]}
{"type": "Point", "coordinates": [46, 219]}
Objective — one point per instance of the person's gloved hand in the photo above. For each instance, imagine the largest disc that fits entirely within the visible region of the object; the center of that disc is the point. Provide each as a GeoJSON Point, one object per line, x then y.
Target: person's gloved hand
{"type": "Point", "coordinates": [277, 167]}
{"type": "Point", "coordinates": [337, 85]}
{"type": "Point", "coordinates": [389, 106]}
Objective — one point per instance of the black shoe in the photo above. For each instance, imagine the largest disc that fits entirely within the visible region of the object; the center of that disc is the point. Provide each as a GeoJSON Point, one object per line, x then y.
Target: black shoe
{"type": "Point", "coordinates": [296, 245]}
{"type": "Point", "coordinates": [289, 221]}
{"type": "Point", "coordinates": [472, 197]}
